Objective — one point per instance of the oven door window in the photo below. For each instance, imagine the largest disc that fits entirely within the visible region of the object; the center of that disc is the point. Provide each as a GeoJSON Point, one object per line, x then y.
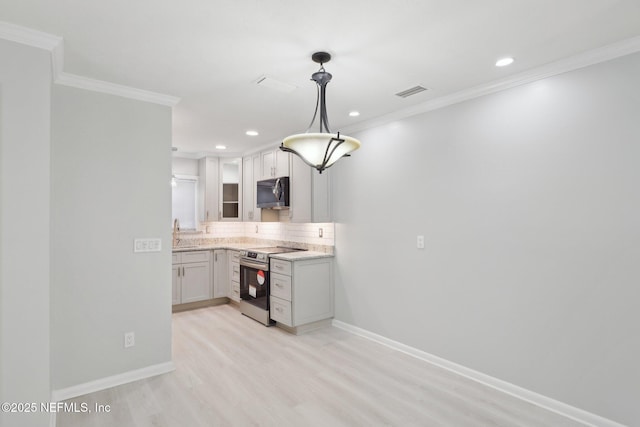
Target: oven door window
{"type": "Point", "coordinates": [254, 286]}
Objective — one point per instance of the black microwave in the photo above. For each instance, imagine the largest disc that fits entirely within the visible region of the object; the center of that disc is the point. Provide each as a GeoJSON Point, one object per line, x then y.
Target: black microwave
{"type": "Point", "coordinates": [273, 193]}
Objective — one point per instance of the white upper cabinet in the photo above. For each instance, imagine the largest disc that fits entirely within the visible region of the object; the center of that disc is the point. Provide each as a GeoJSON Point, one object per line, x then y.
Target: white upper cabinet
{"type": "Point", "coordinates": [208, 191]}
{"type": "Point", "coordinates": [275, 163]}
{"type": "Point", "coordinates": [309, 193]}
{"type": "Point", "coordinates": [230, 189]}
{"type": "Point", "coordinates": [251, 171]}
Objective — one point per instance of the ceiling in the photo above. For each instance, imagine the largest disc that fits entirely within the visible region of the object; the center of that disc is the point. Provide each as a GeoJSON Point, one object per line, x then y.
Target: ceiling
{"type": "Point", "coordinates": [211, 53]}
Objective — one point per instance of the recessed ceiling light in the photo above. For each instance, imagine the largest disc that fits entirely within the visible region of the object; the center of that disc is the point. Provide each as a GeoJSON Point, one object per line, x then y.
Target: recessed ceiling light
{"type": "Point", "coordinates": [252, 132]}
{"type": "Point", "coordinates": [503, 62]}
{"type": "Point", "coordinates": [354, 114]}
{"type": "Point", "coordinates": [221, 147]}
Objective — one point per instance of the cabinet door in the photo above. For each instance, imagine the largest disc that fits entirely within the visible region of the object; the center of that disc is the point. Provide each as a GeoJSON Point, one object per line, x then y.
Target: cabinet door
{"type": "Point", "coordinates": [282, 163]}
{"type": "Point", "coordinates": [220, 274]}
{"type": "Point", "coordinates": [176, 272]}
{"type": "Point", "coordinates": [300, 191]}
{"type": "Point", "coordinates": [257, 167]}
{"type": "Point", "coordinates": [268, 162]}
{"type": "Point", "coordinates": [309, 193]}
{"type": "Point", "coordinates": [208, 197]}
{"type": "Point", "coordinates": [248, 189]}
{"type": "Point", "coordinates": [251, 172]}
{"type": "Point", "coordinates": [230, 189]}
{"type": "Point", "coordinates": [196, 282]}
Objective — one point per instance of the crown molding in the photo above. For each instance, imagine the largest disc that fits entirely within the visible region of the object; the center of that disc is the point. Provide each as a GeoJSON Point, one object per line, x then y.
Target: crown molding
{"type": "Point", "coordinates": [55, 45]}
{"type": "Point", "coordinates": [73, 80]}
{"type": "Point", "coordinates": [29, 37]}
{"type": "Point", "coordinates": [591, 57]}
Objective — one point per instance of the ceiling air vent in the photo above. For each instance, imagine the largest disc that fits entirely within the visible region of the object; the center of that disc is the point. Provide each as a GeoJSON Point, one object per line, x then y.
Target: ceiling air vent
{"type": "Point", "coordinates": [276, 85]}
{"type": "Point", "coordinates": [411, 91]}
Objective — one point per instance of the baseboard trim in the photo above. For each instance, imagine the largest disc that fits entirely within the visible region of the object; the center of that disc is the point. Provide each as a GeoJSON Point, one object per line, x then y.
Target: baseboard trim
{"type": "Point", "coordinates": [112, 381]}
{"type": "Point", "coordinates": [529, 396]}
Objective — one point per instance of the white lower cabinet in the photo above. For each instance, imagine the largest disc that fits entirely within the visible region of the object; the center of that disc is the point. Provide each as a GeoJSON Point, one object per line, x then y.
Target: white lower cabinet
{"type": "Point", "coordinates": [175, 284]}
{"type": "Point", "coordinates": [233, 257]}
{"type": "Point", "coordinates": [281, 310]}
{"type": "Point", "coordinates": [301, 291]}
{"type": "Point", "coordinates": [220, 277]}
{"type": "Point", "coordinates": [191, 277]}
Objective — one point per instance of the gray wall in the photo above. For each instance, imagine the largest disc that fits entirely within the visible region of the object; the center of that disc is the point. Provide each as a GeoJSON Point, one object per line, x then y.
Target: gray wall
{"type": "Point", "coordinates": [529, 203]}
{"type": "Point", "coordinates": [25, 79]}
{"type": "Point", "coordinates": [111, 163]}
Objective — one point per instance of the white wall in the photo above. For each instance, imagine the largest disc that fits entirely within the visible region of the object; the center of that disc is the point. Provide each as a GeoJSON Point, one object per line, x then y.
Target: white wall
{"type": "Point", "coordinates": [25, 80]}
{"type": "Point", "coordinates": [111, 163]}
{"type": "Point", "coordinates": [529, 203]}
{"type": "Point", "coordinates": [180, 166]}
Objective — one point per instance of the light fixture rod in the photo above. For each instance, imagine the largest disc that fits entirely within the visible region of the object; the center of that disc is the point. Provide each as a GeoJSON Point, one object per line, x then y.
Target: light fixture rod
{"type": "Point", "coordinates": [324, 120]}
{"type": "Point", "coordinates": [321, 77]}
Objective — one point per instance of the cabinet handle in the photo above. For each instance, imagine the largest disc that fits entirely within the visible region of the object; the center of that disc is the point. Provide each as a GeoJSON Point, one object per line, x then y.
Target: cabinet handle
{"type": "Point", "coordinates": [207, 215]}
{"type": "Point", "coordinates": [219, 214]}
{"type": "Point", "coordinates": [178, 271]}
{"type": "Point", "coordinates": [182, 271]}
{"type": "Point", "coordinates": [215, 257]}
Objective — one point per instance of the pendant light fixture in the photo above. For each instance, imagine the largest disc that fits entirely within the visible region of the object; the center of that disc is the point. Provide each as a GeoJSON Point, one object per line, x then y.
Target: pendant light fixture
{"type": "Point", "coordinates": [320, 149]}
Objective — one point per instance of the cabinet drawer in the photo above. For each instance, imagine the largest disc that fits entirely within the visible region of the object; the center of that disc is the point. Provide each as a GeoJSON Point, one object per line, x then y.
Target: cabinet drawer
{"type": "Point", "coordinates": [235, 291]}
{"type": "Point", "coordinates": [280, 266]}
{"type": "Point", "coordinates": [195, 256]}
{"type": "Point", "coordinates": [235, 272]}
{"type": "Point", "coordinates": [281, 310]}
{"type": "Point", "coordinates": [235, 256]}
{"type": "Point", "coordinates": [281, 286]}
{"type": "Point", "coordinates": [175, 258]}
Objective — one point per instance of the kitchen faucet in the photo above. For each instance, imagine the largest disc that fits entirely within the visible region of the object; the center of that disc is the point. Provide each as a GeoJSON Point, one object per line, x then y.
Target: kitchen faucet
{"type": "Point", "coordinates": [176, 229]}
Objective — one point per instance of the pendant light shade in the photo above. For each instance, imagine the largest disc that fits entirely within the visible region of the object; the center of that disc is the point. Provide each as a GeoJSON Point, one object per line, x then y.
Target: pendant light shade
{"type": "Point", "coordinates": [321, 149]}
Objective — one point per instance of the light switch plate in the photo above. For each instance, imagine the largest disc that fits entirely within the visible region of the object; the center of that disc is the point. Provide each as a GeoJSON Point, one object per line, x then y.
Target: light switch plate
{"type": "Point", "coordinates": [420, 242]}
{"type": "Point", "coordinates": [147, 245]}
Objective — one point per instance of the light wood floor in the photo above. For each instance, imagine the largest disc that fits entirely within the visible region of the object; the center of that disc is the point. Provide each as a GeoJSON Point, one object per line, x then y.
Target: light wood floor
{"type": "Point", "coordinates": [233, 371]}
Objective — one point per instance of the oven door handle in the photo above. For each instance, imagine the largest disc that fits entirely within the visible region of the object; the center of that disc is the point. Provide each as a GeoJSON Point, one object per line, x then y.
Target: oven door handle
{"type": "Point", "coordinates": [259, 266]}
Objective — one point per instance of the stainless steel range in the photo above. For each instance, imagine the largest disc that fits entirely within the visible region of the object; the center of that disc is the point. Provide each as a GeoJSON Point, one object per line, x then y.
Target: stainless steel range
{"type": "Point", "coordinates": [254, 282]}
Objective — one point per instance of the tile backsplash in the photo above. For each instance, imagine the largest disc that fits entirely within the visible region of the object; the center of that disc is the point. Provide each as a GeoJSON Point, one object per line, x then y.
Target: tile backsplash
{"type": "Point", "coordinates": [303, 235]}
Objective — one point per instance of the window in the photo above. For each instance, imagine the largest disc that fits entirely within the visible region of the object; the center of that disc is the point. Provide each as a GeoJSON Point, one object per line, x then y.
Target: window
{"type": "Point", "coordinates": [183, 201]}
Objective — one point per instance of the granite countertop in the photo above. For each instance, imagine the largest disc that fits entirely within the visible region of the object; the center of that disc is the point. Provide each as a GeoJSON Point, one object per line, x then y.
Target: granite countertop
{"type": "Point", "coordinates": [232, 246]}
{"type": "Point", "coordinates": [287, 256]}
{"type": "Point", "coordinates": [300, 255]}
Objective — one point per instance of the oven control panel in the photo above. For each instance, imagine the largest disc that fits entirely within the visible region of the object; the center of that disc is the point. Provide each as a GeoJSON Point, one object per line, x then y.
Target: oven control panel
{"type": "Point", "coordinates": [253, 255]}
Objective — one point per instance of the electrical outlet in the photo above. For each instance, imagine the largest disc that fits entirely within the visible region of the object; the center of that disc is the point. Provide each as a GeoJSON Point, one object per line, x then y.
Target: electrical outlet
{"type": "Point", "coordinates": [129, 339]}
{"type": "Point", "coordinates": [420, 242]}
{"type": "Point", "coordinates": [147, 245]}
{"type": "Point", "coordinates": [320, 232]}
{"type": "Point", "coordinates": [256, 228]}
